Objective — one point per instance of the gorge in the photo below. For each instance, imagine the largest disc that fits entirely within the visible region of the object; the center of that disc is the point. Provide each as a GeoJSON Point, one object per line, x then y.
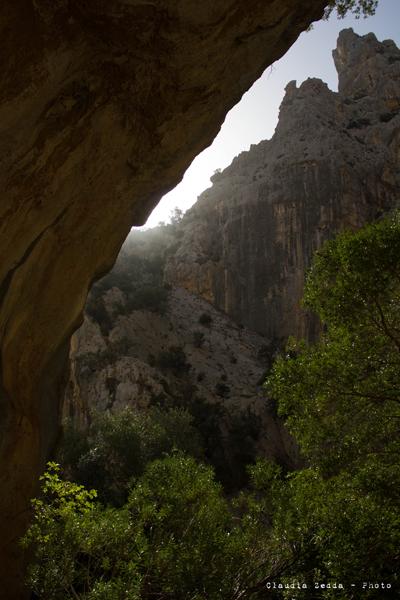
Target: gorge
{"type": "Point", "coordinates": [239, 258]}
{"type": "Point", "coordinates": [103, 105]}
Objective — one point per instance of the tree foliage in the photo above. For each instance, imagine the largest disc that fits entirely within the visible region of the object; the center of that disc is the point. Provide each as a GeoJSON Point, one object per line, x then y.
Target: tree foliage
{"type": "Point", "coordinates": [175, 539]}
{"type": "Point", "coordinates": [332, 526]}
{"type": "Point", "coordinates": [341, 400]}
{"type": "Point", "coordinates": [360, 8]}
{"type": "Point", "coordinates": [117, 447]}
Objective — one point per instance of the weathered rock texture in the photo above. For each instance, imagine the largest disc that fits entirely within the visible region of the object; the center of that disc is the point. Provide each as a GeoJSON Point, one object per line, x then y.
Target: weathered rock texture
{"type": "Point", "coordinates": [171, 359]}
{"type": "Point", "coordinates": [145, 343]}
{"type": "Point", "coordinates": [103, 104]}
{"type": "Point", "coordinates": [333, 163]}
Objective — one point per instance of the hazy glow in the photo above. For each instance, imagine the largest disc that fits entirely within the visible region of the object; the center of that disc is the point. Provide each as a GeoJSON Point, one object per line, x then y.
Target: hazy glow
{"type": "Point", "coordinates": [255, 117]}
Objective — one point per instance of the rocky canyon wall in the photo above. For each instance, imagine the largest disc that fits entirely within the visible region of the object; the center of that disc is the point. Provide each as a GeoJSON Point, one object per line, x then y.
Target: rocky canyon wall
{"type": "Point", "coordinates": [244, 247]}
{"type": "Point", "coordinates": [332, 164]}
{"type": "Point", "coordinates": [184, 354]}
{"type": "Point", "coordinates": [103, 105]}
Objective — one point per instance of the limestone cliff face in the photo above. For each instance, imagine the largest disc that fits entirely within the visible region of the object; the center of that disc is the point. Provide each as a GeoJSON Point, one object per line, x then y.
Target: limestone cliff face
{"type": "Point", "coordinates": [333, 163]}
{"type": "Point", "coordinates": [103, 104]}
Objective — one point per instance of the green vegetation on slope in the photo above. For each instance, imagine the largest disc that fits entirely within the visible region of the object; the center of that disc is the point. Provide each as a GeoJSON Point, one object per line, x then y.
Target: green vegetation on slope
{"type": "Point", "coordinates": [116, 448]}
{"type": "Point", "coordinates": [328, 531]}
{"type": "Point", "coordinates": [138, 273]}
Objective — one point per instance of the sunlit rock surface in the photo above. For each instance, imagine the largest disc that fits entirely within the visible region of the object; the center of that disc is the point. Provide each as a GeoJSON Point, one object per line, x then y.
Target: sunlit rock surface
{"type": "Point", "coordinates": [332, 164]}
{"type": "Point", "coordinates": [103, 105]}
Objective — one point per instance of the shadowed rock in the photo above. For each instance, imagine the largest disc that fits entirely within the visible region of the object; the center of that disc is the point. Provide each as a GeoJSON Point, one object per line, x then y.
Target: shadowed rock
{"type": "Point", "coordinates": [103, 105]}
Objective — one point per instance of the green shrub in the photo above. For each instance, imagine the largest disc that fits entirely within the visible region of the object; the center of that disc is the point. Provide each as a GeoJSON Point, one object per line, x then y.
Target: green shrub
{"type": "Point", "coordinates": [176, 538]}
{"type": "Point", "coordinates": [174, 358]}
{"type": "Point", "coordinates": [117, 447]}
{"type": "Point", "coordinates": [79, 549]}
{"type": "Point", "coordinates": [222, 390]}
{"type": "Point", "coordinates": [198, 338]}
{"type": "Point", "coordinates": [97, 311]}
{"type": "Point", "coordinates": [148, 297]}
{"type": "Point", "coordinates": [205, 319]}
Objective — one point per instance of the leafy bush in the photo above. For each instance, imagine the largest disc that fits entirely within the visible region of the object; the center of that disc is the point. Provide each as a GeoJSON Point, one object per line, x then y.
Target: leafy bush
{"type": "Point", "coordinates": [175, 538]}
{"type": "Point", "coordinates": [174, 358]}
{"type": "Point", "coordinates": [198, 338]}
{"type": "Point", "coordinates": [222, 390]}
{"type": "Point", "coordinates": [181, 507]}
{"type": "Point", "coordinates": [117, 447]}
{"type": "Point", "coordinates": [97, 311]}
{"type": "Point", "coordinates": [148, 297]}
{"type": "Point", "coordinates": [80, 549]}
{"type": "Point", "coordinates": [205, 319]}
